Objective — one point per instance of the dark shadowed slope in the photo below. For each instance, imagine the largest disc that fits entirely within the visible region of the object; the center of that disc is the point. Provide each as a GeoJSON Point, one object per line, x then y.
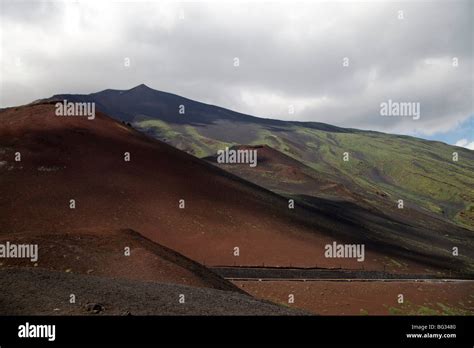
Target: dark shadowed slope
{"type": "Point", "coordinates": [371, 215]}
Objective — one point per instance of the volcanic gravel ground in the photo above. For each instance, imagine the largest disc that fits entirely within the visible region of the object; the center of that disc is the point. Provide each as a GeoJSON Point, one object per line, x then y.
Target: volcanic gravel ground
{"type": "Point", "coordinates": [41, 292]}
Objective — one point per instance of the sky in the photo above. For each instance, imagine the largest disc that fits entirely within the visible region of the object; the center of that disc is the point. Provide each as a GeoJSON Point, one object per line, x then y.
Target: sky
{"type": "Point", "coordinates": [325, 61]}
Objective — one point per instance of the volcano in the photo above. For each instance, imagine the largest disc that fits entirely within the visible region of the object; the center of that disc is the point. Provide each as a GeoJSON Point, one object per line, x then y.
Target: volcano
{"type": "Point", "coordinates": [104, 201]}
{"type": "Point", "coordinates": [168, 196]}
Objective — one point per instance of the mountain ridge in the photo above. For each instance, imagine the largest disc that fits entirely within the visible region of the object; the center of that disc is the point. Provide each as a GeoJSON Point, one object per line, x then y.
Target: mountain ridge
{"type": "Point", "coordinates": [145, 88]}
{"type": "Point", "coordinates": [425, 176]}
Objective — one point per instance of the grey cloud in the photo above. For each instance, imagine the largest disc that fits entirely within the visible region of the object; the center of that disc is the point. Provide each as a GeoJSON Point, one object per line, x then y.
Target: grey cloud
{"type": "Point", "coordinates": [289, 54]}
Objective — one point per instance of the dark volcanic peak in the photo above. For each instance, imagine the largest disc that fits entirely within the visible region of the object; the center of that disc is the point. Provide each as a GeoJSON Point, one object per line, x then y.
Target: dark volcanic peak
{"type": "Point", "coordinates": [141, 86]}
{"type": "Point", "coordinates": [143, 102]}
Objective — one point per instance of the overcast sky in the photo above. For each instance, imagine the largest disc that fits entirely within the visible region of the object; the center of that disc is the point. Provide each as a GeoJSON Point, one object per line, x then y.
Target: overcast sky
{"type": "Point", "coordinates": [290, 55]}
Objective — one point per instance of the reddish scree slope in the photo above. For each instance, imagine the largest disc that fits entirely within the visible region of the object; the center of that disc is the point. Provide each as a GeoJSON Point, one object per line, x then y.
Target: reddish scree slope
{"type": "Point", "coordinates": [102, 253]}
{"type": "Point", "coordinates": [281, 173]}
{"type": "Point", "coordinates": [65, 158]}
